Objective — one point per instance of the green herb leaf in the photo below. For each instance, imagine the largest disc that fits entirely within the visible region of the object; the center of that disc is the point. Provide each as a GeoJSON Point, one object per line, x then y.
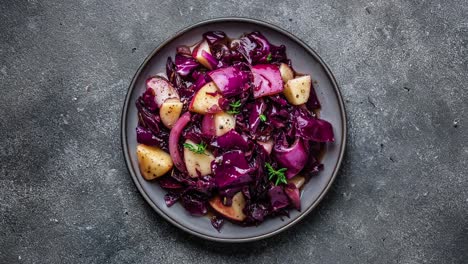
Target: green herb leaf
{"type": "Point", "coordinates": [234, 107]}
{"type": "Point", "coordinates": [269, 57]}
{"type": "Point", "coordinates": [263, 118]}
{"type": "Point", "coordinates": [196, 148]}
{"type": "Point", "coordinates": [236, 104]}
{"type": "Point", "coordinates": [278, 175]}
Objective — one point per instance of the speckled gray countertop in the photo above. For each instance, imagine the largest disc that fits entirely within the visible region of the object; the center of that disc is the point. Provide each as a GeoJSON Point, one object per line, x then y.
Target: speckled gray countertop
{"type": "Point", "coordinates": [66, 195]}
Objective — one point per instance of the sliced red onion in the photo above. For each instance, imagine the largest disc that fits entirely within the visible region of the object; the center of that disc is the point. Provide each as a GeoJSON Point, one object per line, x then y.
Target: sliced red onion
{"type": "Point", "coordinates": [174, 137]}
{"type": "Point", "coordinates": [293, 158]}
{"type": "Point", "coordinates": [212, 61]}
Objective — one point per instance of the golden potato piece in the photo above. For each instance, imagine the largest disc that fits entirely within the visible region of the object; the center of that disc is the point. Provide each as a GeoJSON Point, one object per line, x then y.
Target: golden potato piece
{"type": "Point", "coordinates": [153, 161]}
{"type": "Point", "coordinates": [297, 90]}
{"type": "Point", "coordinates": [286, 72]}
{"type": "Point", "coordinates": [224, 122]}
{"type": "Point", "coordinates": [197, 164]}
{"type": "Point", "coordinates": [206, 100]}
{"type": "Point", "coordinates": [170, 111]}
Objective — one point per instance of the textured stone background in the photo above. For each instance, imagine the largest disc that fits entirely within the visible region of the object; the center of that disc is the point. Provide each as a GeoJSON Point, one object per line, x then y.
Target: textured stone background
{"type": "Point", "coordinates": [66, 195]}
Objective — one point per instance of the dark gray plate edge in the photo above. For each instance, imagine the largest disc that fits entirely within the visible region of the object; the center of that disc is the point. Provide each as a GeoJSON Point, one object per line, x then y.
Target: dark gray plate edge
{"type": "Point", "coordinates": [131, 169]}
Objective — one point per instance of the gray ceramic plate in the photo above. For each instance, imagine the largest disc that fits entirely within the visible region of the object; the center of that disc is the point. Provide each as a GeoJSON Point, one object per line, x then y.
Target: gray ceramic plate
{"type": "Point", "coordinates": [304, 60]}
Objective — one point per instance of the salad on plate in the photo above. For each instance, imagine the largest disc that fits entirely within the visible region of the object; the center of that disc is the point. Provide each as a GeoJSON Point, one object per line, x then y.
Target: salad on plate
{"type": "Point", "coordinates": [230, 130]}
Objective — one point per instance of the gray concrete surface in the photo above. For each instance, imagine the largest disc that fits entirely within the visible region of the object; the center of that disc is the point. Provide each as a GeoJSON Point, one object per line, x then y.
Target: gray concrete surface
{"type": "Point", "coordinates": [66, 195]}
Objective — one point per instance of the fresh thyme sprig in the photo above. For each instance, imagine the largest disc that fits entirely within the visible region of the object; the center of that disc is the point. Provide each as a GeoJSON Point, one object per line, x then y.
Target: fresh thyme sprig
{"type": "Point", "coordinates": [196, 148]}
{"type": "Point", "coordinates": [234, 107]}
{"type": "Point", "coordinates": [269, 57]}
{"type": "Point", "coordinates": [278, 174]}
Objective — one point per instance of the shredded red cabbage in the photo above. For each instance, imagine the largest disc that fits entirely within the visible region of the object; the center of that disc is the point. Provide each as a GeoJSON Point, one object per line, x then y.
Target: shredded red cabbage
{"type": "Point", "coordinates": [231, 81]}
{"type": "Point", "coordinates": [231, 169]}
{"type": "Point", "coordinates": [214, 37]}
{"type": "Point", "coordinates": [185, 64]}
{"type": "Point", "coordinates": [267, 80]}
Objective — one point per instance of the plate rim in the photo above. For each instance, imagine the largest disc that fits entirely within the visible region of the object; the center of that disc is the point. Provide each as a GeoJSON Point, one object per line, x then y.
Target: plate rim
{"type": "Point", "coordinates": [273, 27]}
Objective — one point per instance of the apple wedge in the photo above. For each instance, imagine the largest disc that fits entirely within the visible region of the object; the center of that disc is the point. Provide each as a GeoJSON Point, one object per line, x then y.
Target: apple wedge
{"type": "Point", "coordinates": [206, 100]}
{"type": "Point", "coordinates": [223, 123]}
{"type": "Point", "coordinates": [153, 161]}
{"type": "Point", "coordinates": [286, 72]}
{"type": "Point", "coordinates": [233, 212]}
{"type": "Point", "coordinates": [197, 164]}
{"type": "Point", "coordinates": [170, 111]}
{"type": "Point", "coordinates": [297, 180]}
{"type": "Point", "coordinates": [197, 53]}
{"type": "Point", "coordinates": [297, 91]}
{"type": "Point", "coordinates": [163, 90]}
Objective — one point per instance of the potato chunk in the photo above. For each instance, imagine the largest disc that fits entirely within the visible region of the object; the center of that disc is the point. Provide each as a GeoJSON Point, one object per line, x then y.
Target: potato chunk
{"type": "Point", "coordinates": [153, 161]}
{"type": "Point", "coordinates": [197, 164]}
{"type": "Point", "coordinates": [297, 90]}
{"type": "Point", "coordinates": [223, 123]}
{"type": "Point", "coordinates": [206, 100]}
{"type": "Point", "coordinates": [170, 111]}
{"type": "Point", "coordinates": [286, 72]}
